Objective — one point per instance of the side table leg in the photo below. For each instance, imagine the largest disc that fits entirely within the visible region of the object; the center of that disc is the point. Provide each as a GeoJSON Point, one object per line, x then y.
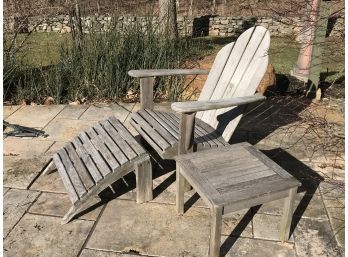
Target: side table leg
{"type": "Point", "coordinates": [288, 210]}
{"type": "Point", "coordinates": [143, 172]}
{"type": "Point", "coordinates": [180, 191]}
{"type": "Point", "coordinates": [215, 231]}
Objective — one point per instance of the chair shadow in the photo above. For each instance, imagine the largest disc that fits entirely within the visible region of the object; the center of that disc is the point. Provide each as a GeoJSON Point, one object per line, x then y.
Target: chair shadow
{"type": "Point", "coordinates": [309, 179]}
{"type": "Point", "coordinates": [237, 231]}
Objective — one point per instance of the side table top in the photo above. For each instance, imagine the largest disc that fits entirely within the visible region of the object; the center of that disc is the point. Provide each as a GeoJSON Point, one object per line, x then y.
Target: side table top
{"type": "Point", "coordinates": [235, 173]}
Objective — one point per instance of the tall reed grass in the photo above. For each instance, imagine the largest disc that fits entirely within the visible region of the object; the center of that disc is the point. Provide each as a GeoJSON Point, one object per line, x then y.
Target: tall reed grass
{"type": "Point", "coordinates": [98, 70]}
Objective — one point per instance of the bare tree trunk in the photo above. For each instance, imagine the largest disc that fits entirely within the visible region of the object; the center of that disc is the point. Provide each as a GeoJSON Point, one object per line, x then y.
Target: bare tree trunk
{"type": "Point", "coordinates": [76, 24]}
{"type": "Point", "coordinates": [191, 8]}
{"type": "Point", "coordinates": [98, 7]}
{"type": "Point", "coordinates": [167, 18]}
{"type": "Point", "coordinates": [301, 69]}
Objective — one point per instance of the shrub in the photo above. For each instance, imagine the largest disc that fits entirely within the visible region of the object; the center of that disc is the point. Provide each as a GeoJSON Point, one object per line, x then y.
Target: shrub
{"type": "Point", "coordinates": [98, 70]}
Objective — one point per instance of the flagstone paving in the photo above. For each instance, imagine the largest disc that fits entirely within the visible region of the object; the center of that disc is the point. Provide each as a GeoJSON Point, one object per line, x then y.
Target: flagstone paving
{"type": "Point", "coordinates": [118, 227]}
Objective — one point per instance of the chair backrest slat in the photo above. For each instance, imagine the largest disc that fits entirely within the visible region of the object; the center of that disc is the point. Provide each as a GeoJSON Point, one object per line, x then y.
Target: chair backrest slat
{"type": "Point", "coordinates": [237, 71]}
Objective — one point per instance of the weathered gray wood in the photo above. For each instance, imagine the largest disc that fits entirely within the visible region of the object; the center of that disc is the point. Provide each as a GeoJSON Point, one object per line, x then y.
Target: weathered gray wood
{"type": "Point", "coordinates": [215, 231]}
{"type": "Point", "coordinates": [158, 127]}
{"type": "Point", "coordinates": [127, 136]}
{"type": "Point", "coordinates": [49, 168]}
{"type": "Point", "coordinates": [228, 208]}
{"type": "Point", "coordinates": [165, 72]}
{"type": "Point", "coordinates": [79, 167]}
{"type": "Point", "coordinates": [232, 81]}
{"type": "Point", "coordinates": [99, 161]}
{"type": "Point", "coordinates": [215, 73]}
{"type": "Point", "coordinates": [196, 106]}
{"type": "Point", "coordinates": [65, 178]}
{"type": "Point", "coordinates": [186, 134]}
{"type": "Point", "coordinates": [102, 149]}
{"type": "Point", "coordinates": [253, 190]}
{"type": "Point", "coordinates": [268, 162]}
{"type": "Point", "coordinates": [235, 185]}
{"type": "Point", "coordinates": [200, 183]}
{"type": "Point", "coordinates": [143, 171]}
{"type": "Point", "coordinates": [72, 173]}
{"type": "Point", "coordinates": [288, 211]}
{"type": "Point", "coordinates": [166, 124]}
{"type": "Point", "coordinates": [231, 180]}
{"type": "Point", "coordinates": [180, 191]}
{"type": "Point", "coordinates": [198, 139]}
{"type": "Point", "coordinates": [87, 160]}
{"type": "Point", "coordinates": [115, 150]}
{"type": "Point", "coordinates": [146, 92]}
{"type": "Point", "coordinates": [157, 142]}
{"type": "Point", "coordinates": [126, 148]}
{"type": "Point", "coordinates": [240, 75]}
{"type": "Point", "coordinates": [95, 159]}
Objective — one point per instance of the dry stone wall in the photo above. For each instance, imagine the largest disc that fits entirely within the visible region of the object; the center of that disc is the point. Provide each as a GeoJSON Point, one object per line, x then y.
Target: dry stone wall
{"type": "Point", "coordinates": [187, 26]}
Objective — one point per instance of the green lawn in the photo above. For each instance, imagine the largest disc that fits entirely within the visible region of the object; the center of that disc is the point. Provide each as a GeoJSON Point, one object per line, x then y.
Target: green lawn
{"type": "Point", "coordinates": [40, 49]}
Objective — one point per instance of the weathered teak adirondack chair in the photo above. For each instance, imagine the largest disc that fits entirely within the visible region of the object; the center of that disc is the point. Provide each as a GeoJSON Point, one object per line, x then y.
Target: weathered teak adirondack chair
{"type": "Point", "coordinates": [232, 82]}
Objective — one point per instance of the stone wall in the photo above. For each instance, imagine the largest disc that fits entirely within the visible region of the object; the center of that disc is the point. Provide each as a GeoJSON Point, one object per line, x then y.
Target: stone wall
{"type": "Point", "coordinates": [187, 26]}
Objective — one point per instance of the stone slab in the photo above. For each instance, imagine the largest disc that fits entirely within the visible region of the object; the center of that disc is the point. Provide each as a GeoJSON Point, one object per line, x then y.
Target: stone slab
{"type": "Point", "coordinates": [43, 115]}
{"type": "Point", "coordinates": [165, 190]}
{"type": "Point", "coordinates": [246, 247]}
{"type": "Point", "coordinates": [267, 227]}
{"type": "Point", "coordinates": [94, 253]}
{"type": "Point", "coordinates": [55, 147]}
{"type": "Point", "coordinates": [59, 204]}
{"type": "Point", "coordinates": [16, 202]}
{"type": "Point", "coordinates": [49, 183]}
{"type": "Point", "coordinates": [64, 130]}
{"type": "Point", "coordinates": [315, 238]}
{"type": "Point", "coordinates": [21, 172]}
{"type": "Point", "coordinates": [24, 148]}
{"type": "Point", "coordinates": [308, 206]}
{"type": "Point", "coordinates": [151, 229]}
{"type": "Point", "coordinates": [337, 220]}
{"type": "Point", "coordinates": [5, 190]}
{"type": "Point", "coordinates": [334, 200]}
{"type": "Point", "coordinates": [8, 110]}
{"type": "Point", "coordinates": [37, 235]}
{"type": "Point", "coordinates": [102, 111]}
{"type": "Point", "coordinates": [52, 183]}
{"type": "Point", "coordinates": [72, 111]}
{"type": "Point", "coordinates": [157, 229]}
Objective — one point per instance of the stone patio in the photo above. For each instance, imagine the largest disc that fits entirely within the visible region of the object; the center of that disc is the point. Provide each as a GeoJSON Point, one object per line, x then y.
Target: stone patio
{"type": "Point", "coordinates": [118, 227]}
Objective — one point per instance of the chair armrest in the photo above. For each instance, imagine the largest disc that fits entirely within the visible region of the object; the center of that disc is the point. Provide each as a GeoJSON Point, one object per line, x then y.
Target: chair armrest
{"type": "Point", "coordinates": [196, 106]}
{"type": "Point", "coordinates": [165, 72]}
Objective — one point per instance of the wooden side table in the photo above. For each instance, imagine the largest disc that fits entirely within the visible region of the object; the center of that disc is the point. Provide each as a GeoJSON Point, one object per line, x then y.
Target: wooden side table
{"type": "Point", "coordinates": [232, 178]}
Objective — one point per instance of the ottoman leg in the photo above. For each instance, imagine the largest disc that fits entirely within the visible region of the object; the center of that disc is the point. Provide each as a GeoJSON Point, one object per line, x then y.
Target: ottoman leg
{"type": "Point", "coordinates": [180, 191]}
{"type": "Point", "coordinates": [49, 168]}
{"type": "Point", "coordinates": [287, 215]}
{"type": "Point", "coordinates": [215, 231]}
{"type": "Point", "coordinates": [143, 172]}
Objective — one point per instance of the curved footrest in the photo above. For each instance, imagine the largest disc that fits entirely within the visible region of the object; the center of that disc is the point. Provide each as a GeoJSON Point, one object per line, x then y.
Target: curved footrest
{"type": "Point", "coordinates": [96, 158]}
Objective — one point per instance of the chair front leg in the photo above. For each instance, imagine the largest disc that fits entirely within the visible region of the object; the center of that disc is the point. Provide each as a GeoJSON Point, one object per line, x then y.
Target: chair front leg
{"type": "Point", "coordinates": [186, 135]}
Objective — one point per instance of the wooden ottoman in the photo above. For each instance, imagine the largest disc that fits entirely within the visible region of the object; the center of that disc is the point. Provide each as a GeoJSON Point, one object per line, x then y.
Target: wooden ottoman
{"type": "Point", "coordinates": [98, 157]}
{"type": "Point", "coordinates": [232, 178]}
